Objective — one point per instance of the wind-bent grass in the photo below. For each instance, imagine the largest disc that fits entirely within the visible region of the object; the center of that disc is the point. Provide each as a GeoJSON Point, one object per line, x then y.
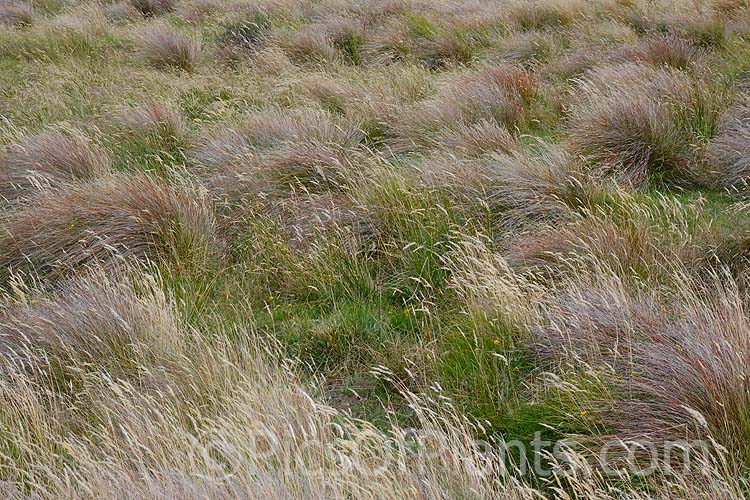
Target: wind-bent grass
{"type": "Point", "coordinates": [324, 249]}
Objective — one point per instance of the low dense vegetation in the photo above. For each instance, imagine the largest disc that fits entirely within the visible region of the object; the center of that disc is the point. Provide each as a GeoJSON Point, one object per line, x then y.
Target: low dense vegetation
{"type": "Point", "coordinates": [321, 249]}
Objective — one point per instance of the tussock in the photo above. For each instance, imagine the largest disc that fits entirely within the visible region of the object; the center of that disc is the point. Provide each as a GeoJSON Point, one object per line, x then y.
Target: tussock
{"type": "Point", "coordinates": [630, 141]}
{"type": "Point", "coordinates": [731, 8]}
{"type": "Point", "coordinates": [529, 47]}
{"type": "Point", "coordinates": [109, 222]}
{"type": "Point", "coordinates": [640, 125]}
{"type": "Point", "coordinates": [669, 50]}
{"type": "Point", "coordinates": [519, 188]}
{"type": "Point", "coordinates": [671, 361]}
{"type": "Point", "coordinates": [165, 47]}
{"type": "Point", "coordinates": [625, 250]}
{"type": "Point", "coordinates": [120, 12]}
{"type": "Point", "coordinates": [153, 7]}
{"type": "Point", "coordinates": [417, 37]}
{"type": "Point", "coordinates": [479, 138]}
{"type": "Point", "coordinates": [153, 118]}
{"type": "Point", "coordinates": [243, 36]}
{"type": "Point", "coordinates": [347, 34]}
{"type": "Point", "coordinates": [92, 322]}
{"type": "Point", "coordinates": [16, 13]}
{"type": "Point", "coordinates": [533, 14]}
{"type": "Point", "coordinates": [49, 159]}
{"type": "Point", "coordinates": [534, 187]}
{"type": "Point", "coordinates": [729, 153]}
{"type": "Point", "coordinates": [729, 245]}
{"type": "Point", "coordinates": [495, 94]}
{"type": "Point", "coordinates": [309, 46]}
{"type": "Point", "coordinates": [273, 151]}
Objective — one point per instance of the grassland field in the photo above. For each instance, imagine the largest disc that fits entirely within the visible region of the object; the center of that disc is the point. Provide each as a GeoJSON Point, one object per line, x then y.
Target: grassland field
{"type": "Point", "coordinates": [374, 249]}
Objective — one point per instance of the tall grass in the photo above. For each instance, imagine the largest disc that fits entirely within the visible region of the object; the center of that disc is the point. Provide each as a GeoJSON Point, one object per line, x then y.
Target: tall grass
{"type": "Point", "coordinates": [326, 249]}
{"type": "Point", "coordinates": [642, 126]}
{"type": "Point", "coordinates": [50, 159]}
{"type": "Point", "coordinates": [165, 47]}
{"type": "Point", "coordinates": [153, 7]}
{"type": "Point", "coordinates": [193, 417]}
{"type": "Point", "coordinates": [498, 95]}
{"type": "Point", "coordinates": [728, 150]}
{"type": "Point", "coordinates": [108, 221]}
{"type": "Point", "coordinates": [16, 13]}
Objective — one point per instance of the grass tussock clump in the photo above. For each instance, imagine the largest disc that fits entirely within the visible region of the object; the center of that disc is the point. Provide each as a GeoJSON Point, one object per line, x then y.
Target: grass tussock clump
{"type": "Point", "coordinates": [731, 8]}
{"type": "Point", "coordinates": [150, 8]}
{"type": "Point", "coordinates": [274, 151]}
{"type": "Point", "coordinates": [678, 368]}
{"type": "Point", "coordinates": [308, 46]}
{"type": "Point", "coordinates": [347, 33]}
{"type": "Point", "coordinates": [311, 163]}
{"type": "Point", "coordinates": [534, 14]}
{"type": "Point", "coordinates": [559, 249]}
{"type": "Point", "coordinates": [49, 159]}
{"type": "Point", "coordinates": [120, 12]}
{"type": "Point", "coordinates": [152, 137]}
{"type": "Point", "coordinates": [108, 222]}
{"type": "Point", "coordinates": [243, 36]}
{"type": "Point", "coordinates": [154, 118]}
{"type": "Point", "coordinates": [518, 189]}
{"type": "Point", "coordinates": [165, 47]}
{"type": "Point", "coordinates": [479, 138]}
{"type": "Point", "coordinates": [196, 11]}
{"type": "Point", "coordinates": [631, 141]}
{"type": "Point", "coordinates": [665, 50]}
{"type": "Point", "coordinates": [16, 13]}
{"type": "Point", "coordinates": [334, 38]}
{"type": "Point", "coordinates": [271, 129]}
{"type": "Point", "coordinates": [419, 38]}
{"type": "Point", "coordinates": [728, 239]}
{"type": "Point", "coordinates": [616, 231]}
{"type": "Point", "coordinates": [310, 166]}
{"type": "Point", "coordinates": [729, 153]}
{"type": "Point", "coordinates": [534, 187]}
{"type": "Point", "coordinates": [498, 95]}
{"type": "Point", "coordinates": [641, 125]}
{"type": "Point", "coordinates": [92, 324]}
{"type": "Point", "coordinates": [435, 44]}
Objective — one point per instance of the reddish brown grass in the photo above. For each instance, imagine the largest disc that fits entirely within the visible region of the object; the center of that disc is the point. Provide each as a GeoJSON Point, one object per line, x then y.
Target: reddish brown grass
{"type": "Point", "coordinates": [495, 94]}
{"type": "Point", "coordinates": [109, 221]}
{"type": "Point", "coordinates": [49, 159]}
{"type": "Point", "coordinates": [153, 7]}
{"type": "Point", "coordinates": [154, 118]}
{"type": "Point", "coordinates": [164, 47]}
{"type": "Point", "coordinates": [678, 368]}
{"type": "Point", "coordinates": [729, 153]}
